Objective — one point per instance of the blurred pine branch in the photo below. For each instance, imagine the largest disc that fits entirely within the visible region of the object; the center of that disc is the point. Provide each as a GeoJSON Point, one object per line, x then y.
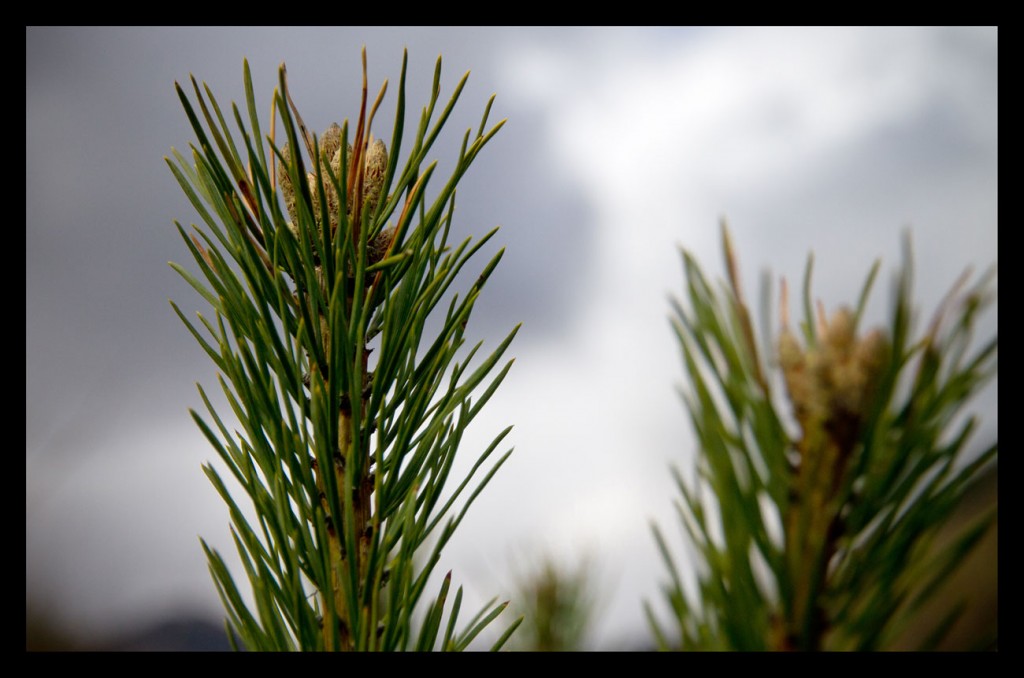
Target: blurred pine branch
{"type": "Point", "coordinates": [558, 604]}
{"type": "Point", "coordinates": [828, 464]}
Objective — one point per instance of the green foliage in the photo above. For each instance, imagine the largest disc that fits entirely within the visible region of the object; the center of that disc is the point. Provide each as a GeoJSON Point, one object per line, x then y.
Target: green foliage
{"type": "Point", "coordinates": [558, 606]}
{"type": "Point", "coordinates": [822, 538]}
{"type": "Point", "coordinates": [347, 461]}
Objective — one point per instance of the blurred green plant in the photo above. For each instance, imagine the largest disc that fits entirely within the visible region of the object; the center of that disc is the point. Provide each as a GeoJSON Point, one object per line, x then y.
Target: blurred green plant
{"type": "Point", "coordinates": [558, 604]}
{"type": "Point", "coordinates": [823, 538]}
{"type": "Point", "coordinates": [347, 461]}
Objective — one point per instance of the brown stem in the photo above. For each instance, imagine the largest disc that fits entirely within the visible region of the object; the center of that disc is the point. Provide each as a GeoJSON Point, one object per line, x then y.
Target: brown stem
{"type": "Point", "coordinates": [360, 521]}
{"type": "Point", "coordinates": [814, 526]}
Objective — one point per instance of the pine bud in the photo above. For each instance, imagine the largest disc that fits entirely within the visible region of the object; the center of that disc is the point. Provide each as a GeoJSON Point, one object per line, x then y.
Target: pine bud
{"type": "Point", "coordinates": [373, 180]}
{"type": "Point", "coordinates": [801, 371]}
{"type": "Point", "coordinates": [330, 143]}
{"type": "Point", "coordinates": [377, 248]}
{"type": "Point", "coordinates": [838, 337]}
{"type": "Point", "coordinates": [374, 171]}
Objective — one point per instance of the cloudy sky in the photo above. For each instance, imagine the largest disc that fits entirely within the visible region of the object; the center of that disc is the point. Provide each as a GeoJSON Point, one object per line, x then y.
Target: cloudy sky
{"type": "Point", "coordinates": [621, 145]}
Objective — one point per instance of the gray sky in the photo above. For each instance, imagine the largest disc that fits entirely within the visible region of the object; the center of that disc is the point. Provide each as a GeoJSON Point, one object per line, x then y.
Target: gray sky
{"type": "Point", "coordinates": [621, 145]}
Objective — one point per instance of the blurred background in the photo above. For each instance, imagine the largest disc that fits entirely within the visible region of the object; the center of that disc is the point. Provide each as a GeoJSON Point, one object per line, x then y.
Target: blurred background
{"type": "Point", "coordinates": [622, 145]}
